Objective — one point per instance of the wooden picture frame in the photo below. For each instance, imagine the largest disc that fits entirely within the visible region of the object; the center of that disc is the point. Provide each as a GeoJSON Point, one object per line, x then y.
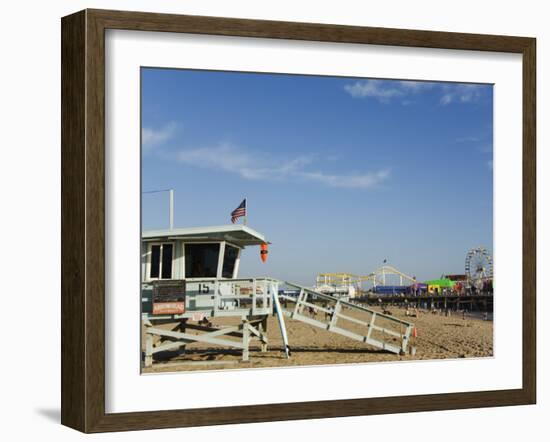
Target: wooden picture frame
{"type": "Point", "coordinates": [83, 220]}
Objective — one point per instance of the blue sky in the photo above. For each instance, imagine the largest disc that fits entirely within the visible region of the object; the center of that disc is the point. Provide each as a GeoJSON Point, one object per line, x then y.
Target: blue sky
{"type": "Point", "coordinates": [339, 173]}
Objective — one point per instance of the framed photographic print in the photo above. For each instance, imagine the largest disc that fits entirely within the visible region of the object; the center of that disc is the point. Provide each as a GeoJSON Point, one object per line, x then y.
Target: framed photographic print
{"type": "Point", "coordinates": [270, 220]}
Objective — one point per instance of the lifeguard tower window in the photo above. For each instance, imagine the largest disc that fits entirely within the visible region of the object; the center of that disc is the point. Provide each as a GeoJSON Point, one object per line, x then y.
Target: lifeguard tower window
{"type": "Point", "coordinates": [161, 261]}
{"type": "Point", "coordinates": [201, 260]}
{"type": "Point", "coordinates": [229, 259]}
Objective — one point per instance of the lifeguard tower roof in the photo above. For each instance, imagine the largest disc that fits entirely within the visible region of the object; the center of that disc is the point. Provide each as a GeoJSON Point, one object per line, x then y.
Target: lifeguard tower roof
{"type": "Point", "coordinates": [237, 234]}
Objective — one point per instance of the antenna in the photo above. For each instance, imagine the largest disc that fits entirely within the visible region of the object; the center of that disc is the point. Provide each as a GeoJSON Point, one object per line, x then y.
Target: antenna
{"type": "Point", "coordinates": [170, 205]}
{"type": "Point", "coordinates": [171, 215]}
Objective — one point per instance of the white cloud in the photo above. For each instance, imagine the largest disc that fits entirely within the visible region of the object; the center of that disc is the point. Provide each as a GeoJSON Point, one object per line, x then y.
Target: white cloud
{"type": "Point", "coordinates": [417, 86]}
{"type": "Point", "coordinates": [248, 165]}
{"type": "Point", "coordinates": [253, 166]}
{"type": "Point", "coordinates": [373, 88]}
{"type": "Point", "coordinates": [151, 138]}
{"type": "Point", "coordinates": [363, 181]}
{"type": "Point", "coordinates": [446, 99]}
{"type": "Point", "coordinates": [461, 93]}
{"type": "Point", "coordinates": [386, 90]}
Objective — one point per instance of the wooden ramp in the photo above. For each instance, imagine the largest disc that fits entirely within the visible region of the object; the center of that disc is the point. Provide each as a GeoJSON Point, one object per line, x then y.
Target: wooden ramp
{"type": "Point", "coordinates": [345, 318]}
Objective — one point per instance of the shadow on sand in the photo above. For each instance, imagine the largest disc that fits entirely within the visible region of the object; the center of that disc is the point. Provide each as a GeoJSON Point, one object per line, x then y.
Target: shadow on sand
{"type": "Point", "coordinates": [213, 354]}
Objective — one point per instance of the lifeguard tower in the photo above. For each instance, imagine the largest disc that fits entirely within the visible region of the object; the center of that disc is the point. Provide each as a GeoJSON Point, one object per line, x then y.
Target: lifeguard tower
{"type": "Point", "coordinates": [190, 275]}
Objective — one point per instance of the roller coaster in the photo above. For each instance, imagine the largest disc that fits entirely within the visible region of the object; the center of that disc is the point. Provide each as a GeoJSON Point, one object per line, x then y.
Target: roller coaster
{"type": "Point", "coordinates": [343, 283]}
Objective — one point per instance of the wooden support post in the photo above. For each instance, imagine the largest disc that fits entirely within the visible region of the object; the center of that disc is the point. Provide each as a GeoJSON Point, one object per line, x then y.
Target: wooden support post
{"type": "Point", "coordinates": [246, 341]}
{"type": "Point", "coordinates": [405, 338]}
{"type": "Point", "coordinates": [371, 323]}
{"type": "Point", "coordinates": [263, 332]}
{"type": "Point", "coordinates": [297, 309]}
{"type": "Point", "coordinates": [148, 349]}
{"type": "Point", "coordinates": [334, 318]}
{"type": "Point", "coordinates": [182, 327]}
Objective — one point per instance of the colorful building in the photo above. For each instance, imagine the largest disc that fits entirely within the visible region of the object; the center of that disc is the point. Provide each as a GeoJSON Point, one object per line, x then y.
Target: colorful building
{"type": "Point", "coordinates": [438, 285]}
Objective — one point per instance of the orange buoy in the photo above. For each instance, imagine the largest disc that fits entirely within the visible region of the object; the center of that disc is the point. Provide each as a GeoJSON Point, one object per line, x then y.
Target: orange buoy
{"type": "Point", "coordinates": [263, 252]}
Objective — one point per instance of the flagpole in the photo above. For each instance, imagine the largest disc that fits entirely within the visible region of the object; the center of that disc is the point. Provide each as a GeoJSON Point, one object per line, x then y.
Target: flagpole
{"type": "Point", "coordinates": [245, 211]}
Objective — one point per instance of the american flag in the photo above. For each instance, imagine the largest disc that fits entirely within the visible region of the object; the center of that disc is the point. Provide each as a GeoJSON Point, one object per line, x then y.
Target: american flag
{"type": "Point", "coordinates": [238, 212]}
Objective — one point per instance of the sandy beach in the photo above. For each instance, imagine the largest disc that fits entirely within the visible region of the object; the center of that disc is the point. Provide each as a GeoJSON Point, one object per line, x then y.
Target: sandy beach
{"type": "Point", "coordinates": [438, 337]}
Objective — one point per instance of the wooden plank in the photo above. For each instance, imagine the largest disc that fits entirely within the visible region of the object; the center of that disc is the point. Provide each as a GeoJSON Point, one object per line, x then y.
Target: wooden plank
{"type": "Point", "coordinates": [347, 333]}
{"type": "Point", "coordinates": [383, 345]}
{"type": "Point", "coordinates": [386, 330]}
{"type": "Point", "coordinates": [310, 321]}
{"type": "Point", "coordinates": [194, 338]}
{"type": "Point", "coordinates": [167, 346]}
{"type": "Point", "coordinates": [354, 320]}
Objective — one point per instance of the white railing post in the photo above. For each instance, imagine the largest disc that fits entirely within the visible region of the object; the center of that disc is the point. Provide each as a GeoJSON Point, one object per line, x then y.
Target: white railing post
{"type": "Point", "coordinates": [217, 299]}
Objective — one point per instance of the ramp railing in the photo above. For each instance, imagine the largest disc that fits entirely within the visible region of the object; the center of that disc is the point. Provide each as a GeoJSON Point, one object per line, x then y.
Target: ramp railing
{"type": "Point", "coordinates": [345, 318]}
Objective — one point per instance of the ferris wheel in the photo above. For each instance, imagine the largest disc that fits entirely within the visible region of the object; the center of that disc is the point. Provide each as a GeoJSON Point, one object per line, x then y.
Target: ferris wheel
{"type": "Point", "coordinates": [479, 266]}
